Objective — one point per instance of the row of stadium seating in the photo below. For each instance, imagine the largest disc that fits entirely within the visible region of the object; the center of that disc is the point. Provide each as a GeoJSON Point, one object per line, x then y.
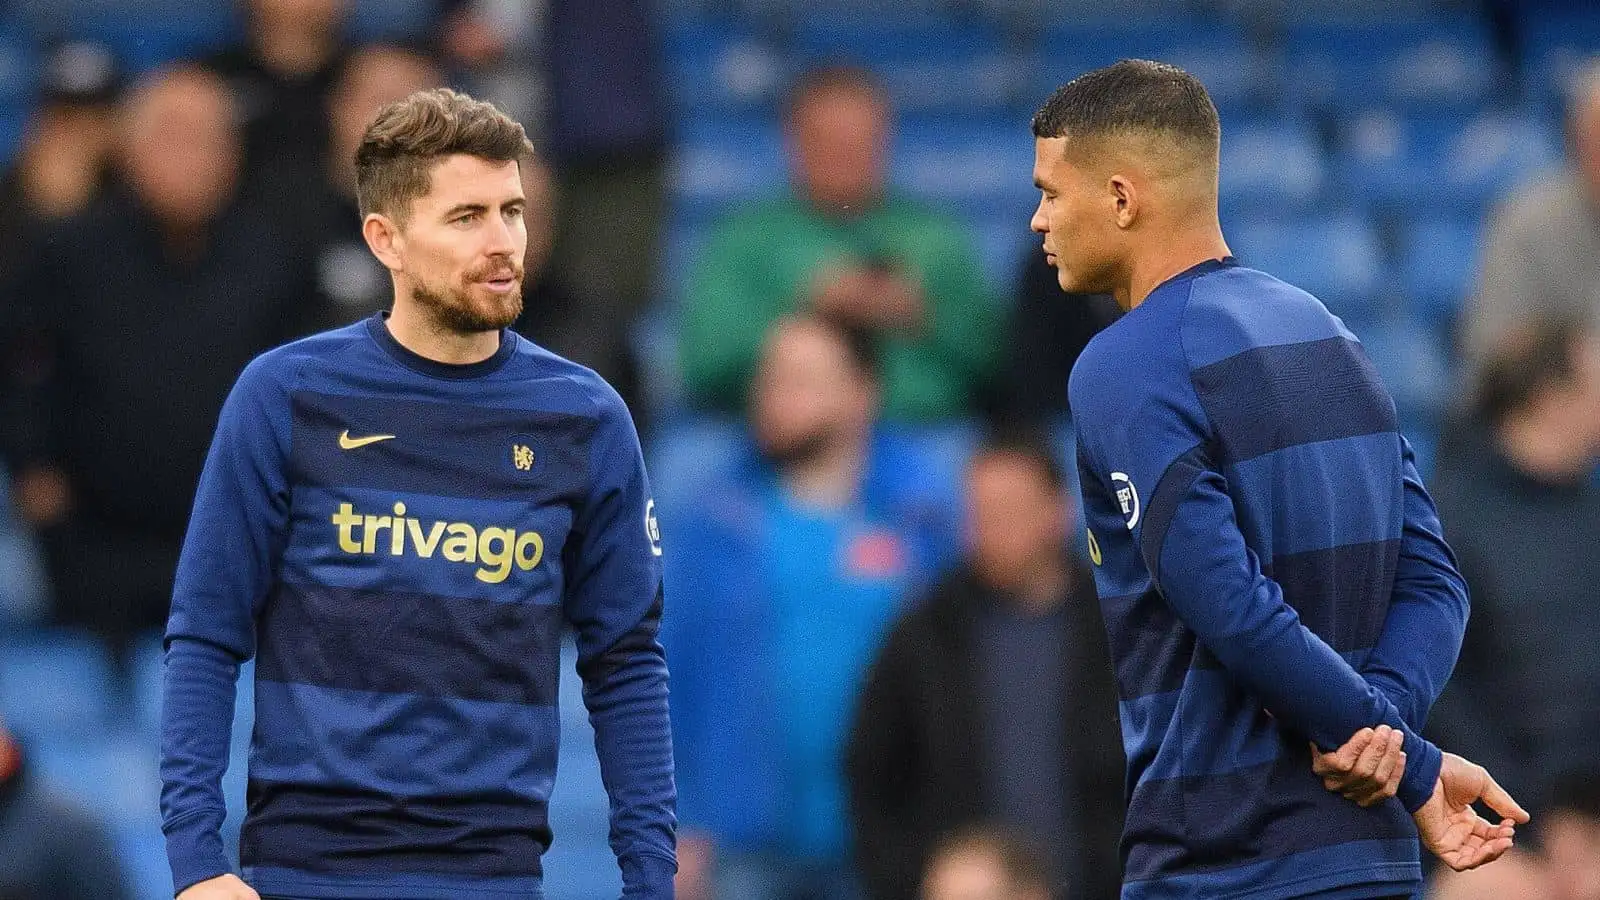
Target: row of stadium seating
{"type": "Point", "coordinates": [94, 734]}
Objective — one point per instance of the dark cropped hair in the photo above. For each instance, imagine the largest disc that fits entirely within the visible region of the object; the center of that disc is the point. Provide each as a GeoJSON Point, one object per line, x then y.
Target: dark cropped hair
{"type": "Point", "coordinates": [1027, 442]}
{"type": "Point", "coordinates": [1526, 362]}
{"type": "Point", "coordinates": [1134, 95]}
{"type": "Point", "coordinates": [409, 136]}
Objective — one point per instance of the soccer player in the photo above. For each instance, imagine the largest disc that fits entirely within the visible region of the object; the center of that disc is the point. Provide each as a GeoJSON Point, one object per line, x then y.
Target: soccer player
{"type": "Point", "coordinates": [398, 518]}
{"type": "Point", "coordinates": [1272, 572]}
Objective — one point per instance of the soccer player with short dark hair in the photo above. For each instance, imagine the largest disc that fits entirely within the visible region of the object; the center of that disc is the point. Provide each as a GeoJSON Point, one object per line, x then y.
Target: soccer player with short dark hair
{"type": "Point", "coordinates": [398, 519]}
{"type": "Point", "coordinates": [1271, 570]}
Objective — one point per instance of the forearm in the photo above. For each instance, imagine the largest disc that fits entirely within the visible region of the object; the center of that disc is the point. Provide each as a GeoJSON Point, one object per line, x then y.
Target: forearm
{"type": "Point", "coordinates": [626, 693]}
{"type": "Point", "coordinates": [1427, 617]}
{"type": "Point", "coordinates": [196, 723]}
{"type": "Point", "coordinates": [1215, 585]}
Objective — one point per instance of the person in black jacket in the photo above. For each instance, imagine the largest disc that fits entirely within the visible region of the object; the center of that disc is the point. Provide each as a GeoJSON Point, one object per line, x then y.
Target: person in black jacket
{"type": "Point", "coordinates": [993, 699]}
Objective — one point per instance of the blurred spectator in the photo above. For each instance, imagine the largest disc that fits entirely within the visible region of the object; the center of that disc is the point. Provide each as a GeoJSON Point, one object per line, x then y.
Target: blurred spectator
{"type": "Point", "coordinates": [559, 318]}
{"type": "Point", "coordinates": [844, 245]}
{"type": "Point", "coordinates": [1048, 330]}
{"type": "Point", "coordinates": [606, 134]}
{"type": "Point", "coordinates": [785, 580]}
{"type": "Point", "coordinates": [50, 849]}
{"type": "Point", "coordinates": [1521, 509]}
{"type": "Point", "coordinates": [352, 281]}
{"type": "Point", "coordinates": [281, 76]}
{"type": "Point", "coordinates": [1571, 836]}
{"type": "Point", "coordinates": [1544, 240]}
{"type": "Point", "coordinates": [987, 864]}
{"type": "Point", "coordinates": [61, 169]}
{"type": "Point", "coordinates": [147, 306]}
{"type": "Point", "coordinates": [993, 699]}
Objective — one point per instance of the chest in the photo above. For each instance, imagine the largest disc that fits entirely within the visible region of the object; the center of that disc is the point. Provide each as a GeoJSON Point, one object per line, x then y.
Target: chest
{"type": "Point", "coordinates": [441, 498]}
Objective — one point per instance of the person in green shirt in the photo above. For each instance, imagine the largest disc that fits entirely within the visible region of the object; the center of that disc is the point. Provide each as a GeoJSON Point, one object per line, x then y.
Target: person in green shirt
{"type": "Point", "coordinates": [841, 244]}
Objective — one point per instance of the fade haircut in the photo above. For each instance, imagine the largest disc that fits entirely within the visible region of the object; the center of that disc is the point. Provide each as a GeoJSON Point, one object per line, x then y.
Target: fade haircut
{"type": "Point", "coordinates": [409, 136]}
{"type": "Point", "coordinates": [1132, 97]}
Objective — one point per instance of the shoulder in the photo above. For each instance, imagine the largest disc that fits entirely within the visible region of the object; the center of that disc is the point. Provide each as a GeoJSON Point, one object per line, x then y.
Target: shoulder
{"type": "Point", "coordinates": [1239, 309]}
{"type": "Point", "coordinates": [578, 388]}
{"type": "Point", "coordinates": [282, 368]}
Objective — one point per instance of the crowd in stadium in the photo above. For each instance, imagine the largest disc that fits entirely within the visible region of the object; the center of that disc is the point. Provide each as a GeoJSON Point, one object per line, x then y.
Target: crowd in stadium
{"type": "Point", "coordinates": [794, 237]}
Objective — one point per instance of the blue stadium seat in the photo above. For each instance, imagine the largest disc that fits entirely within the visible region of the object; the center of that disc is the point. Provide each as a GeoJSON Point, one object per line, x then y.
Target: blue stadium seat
{"type": "Point", "coordinates": [1337, 258]}
{"type": "Point", "coordinates": [1418, 64]}
{"type": "Point", "coordinates": [716, 67]}
{"type": "Point", "coordinates": [372, 20]}
{"type": "Point", "coordinates": [580, 870]}
{"type": "Point", "coordinates": [978, 163]}
{"type": "Point", "coordinates": [688, 454]}
{"type": "Point", "coordinates": [926, 63]}
{"type": "Point", "coordinates": [54, 683]}
{"type": "Point", "coordinates": [1415, 368]}
{"type": "Point", "coordinates": [166, 31]}
{"type": "Point", "coordinates": [722, 162]}
{"type": "Point", "coordinates": [1272, 165]}
{"type": "Point", "coordinates": [143, 852]}
{"type": "Point", "coordinates": [144, 668]}
{"type": "Point", "coordinates": [116, 776]}
{"type": "Point", "coordinates": [1443, 163]}
{"type": "Point", "coordinates": [1237, 77]}
{"type": "Point", "coordinates": [1555, 43]}
{"type": "Point", "coordinates": [1001, 235]}
{"type": "Point", "coordinates": [1438, 264]}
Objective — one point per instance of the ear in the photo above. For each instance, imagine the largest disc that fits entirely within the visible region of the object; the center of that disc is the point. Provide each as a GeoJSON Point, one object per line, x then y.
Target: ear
{"type": "Point", "coordinates": [385, 240]}
{"type": "Point", "coordinates": [1126, 198]}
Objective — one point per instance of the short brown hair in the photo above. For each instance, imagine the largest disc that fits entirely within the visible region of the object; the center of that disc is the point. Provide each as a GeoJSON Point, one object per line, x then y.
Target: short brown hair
{"type": "Point", "coordinates": [830, 79]}
{"type": "Point", "coordinates": [409, 136]}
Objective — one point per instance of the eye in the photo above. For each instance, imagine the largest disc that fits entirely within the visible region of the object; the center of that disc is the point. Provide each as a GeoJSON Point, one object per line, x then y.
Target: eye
{"type": "Point", "coordinates": [514, 212]}
{"type": "Point", "coordinates": [464, 219]}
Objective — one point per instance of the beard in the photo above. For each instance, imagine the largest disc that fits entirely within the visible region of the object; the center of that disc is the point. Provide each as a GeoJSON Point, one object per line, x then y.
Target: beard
{"type": "Point", "coordinates": [799, 449]}
{"type": "Point", "coordinates": [457, 310]}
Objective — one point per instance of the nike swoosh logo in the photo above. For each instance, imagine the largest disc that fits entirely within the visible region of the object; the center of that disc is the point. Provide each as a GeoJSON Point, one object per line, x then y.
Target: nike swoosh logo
{"type": "Point", "coordinates": [346, 442]}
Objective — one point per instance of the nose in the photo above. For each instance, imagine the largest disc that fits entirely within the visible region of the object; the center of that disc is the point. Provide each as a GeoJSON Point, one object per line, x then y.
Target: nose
{"type": "Point", "coordinates": [1039, 223]}
{"type": "Point", "coordinates": [503, 238]}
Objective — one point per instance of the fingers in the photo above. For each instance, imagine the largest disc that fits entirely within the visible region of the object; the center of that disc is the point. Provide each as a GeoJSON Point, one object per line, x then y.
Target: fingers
{"type": "Point", "coordinates": [1496, 798]}
{"type": "Point", "coordinates": [1372, 755]}
{"type": "Point", "coordinates": [1391, 767]}
{"type": "Point", "coordinates": [1343, 759]}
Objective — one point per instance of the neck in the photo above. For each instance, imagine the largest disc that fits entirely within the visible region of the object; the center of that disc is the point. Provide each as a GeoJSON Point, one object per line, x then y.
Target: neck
{"type": "Point", "coordinates": [290, 50]}
{"type": "Point", "coordinates": [1546, 448]}
{"type": "Point", "coordinates": [832, 478]}
{"type": "Point", "coordinates": [1187, 248]}
{"type": "Point", "coordinates": [413, 330]}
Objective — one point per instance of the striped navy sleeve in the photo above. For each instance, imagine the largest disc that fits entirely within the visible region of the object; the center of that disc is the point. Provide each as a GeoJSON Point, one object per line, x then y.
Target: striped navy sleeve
{"type": "Point", "coordinates": [1428, 610]}
{"type": "Point", "coordinates": [1192, 545]}
{"type": "Point", "coordinates": [1197, 555]}
{"type": "Point", "coordinates": [236, 533]}
{"type": "Point", "coordinates": [614, 602]}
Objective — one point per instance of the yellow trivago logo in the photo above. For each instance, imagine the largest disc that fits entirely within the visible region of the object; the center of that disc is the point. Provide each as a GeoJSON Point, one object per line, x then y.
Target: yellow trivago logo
{"type": "Point", "coordinates": [1094, 547]}
{"type": "Point", "coordinates": [493, 548]}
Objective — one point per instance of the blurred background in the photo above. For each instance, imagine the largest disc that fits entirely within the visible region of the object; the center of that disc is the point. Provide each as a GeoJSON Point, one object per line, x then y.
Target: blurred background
{"type": "Point", "coordinates": [795, 236]}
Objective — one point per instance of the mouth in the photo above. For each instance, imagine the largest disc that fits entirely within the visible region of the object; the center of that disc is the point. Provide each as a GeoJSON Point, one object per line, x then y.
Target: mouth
{"type": "Point", "coordinates": [500, 284]}
{"type": "Point", "coordinates": [1049, 257]}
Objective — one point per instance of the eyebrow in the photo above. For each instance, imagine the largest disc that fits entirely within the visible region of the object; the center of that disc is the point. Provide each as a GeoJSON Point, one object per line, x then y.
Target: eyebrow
{"type": "Point", "coordinates": [460, 208]}
{"type": "Point", "coordinates": [1039, 183]}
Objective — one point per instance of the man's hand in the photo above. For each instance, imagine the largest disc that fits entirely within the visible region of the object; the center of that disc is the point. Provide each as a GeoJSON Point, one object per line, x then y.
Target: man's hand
{"type": "Point", "coordinates": [869, 298]}
{"type": "Point", "coordinates": [1367, 769]}
{"type": "Point", "coordinates": [1452, 830]}
{"type": "Point", "coordinates": [223, 887]}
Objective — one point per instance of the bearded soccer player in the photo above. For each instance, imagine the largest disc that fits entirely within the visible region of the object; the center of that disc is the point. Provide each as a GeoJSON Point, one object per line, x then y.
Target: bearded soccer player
{"type": "Point", "coordinates": [1282, 606]}
{"type": "Point", "coordinates": [397, 519]}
